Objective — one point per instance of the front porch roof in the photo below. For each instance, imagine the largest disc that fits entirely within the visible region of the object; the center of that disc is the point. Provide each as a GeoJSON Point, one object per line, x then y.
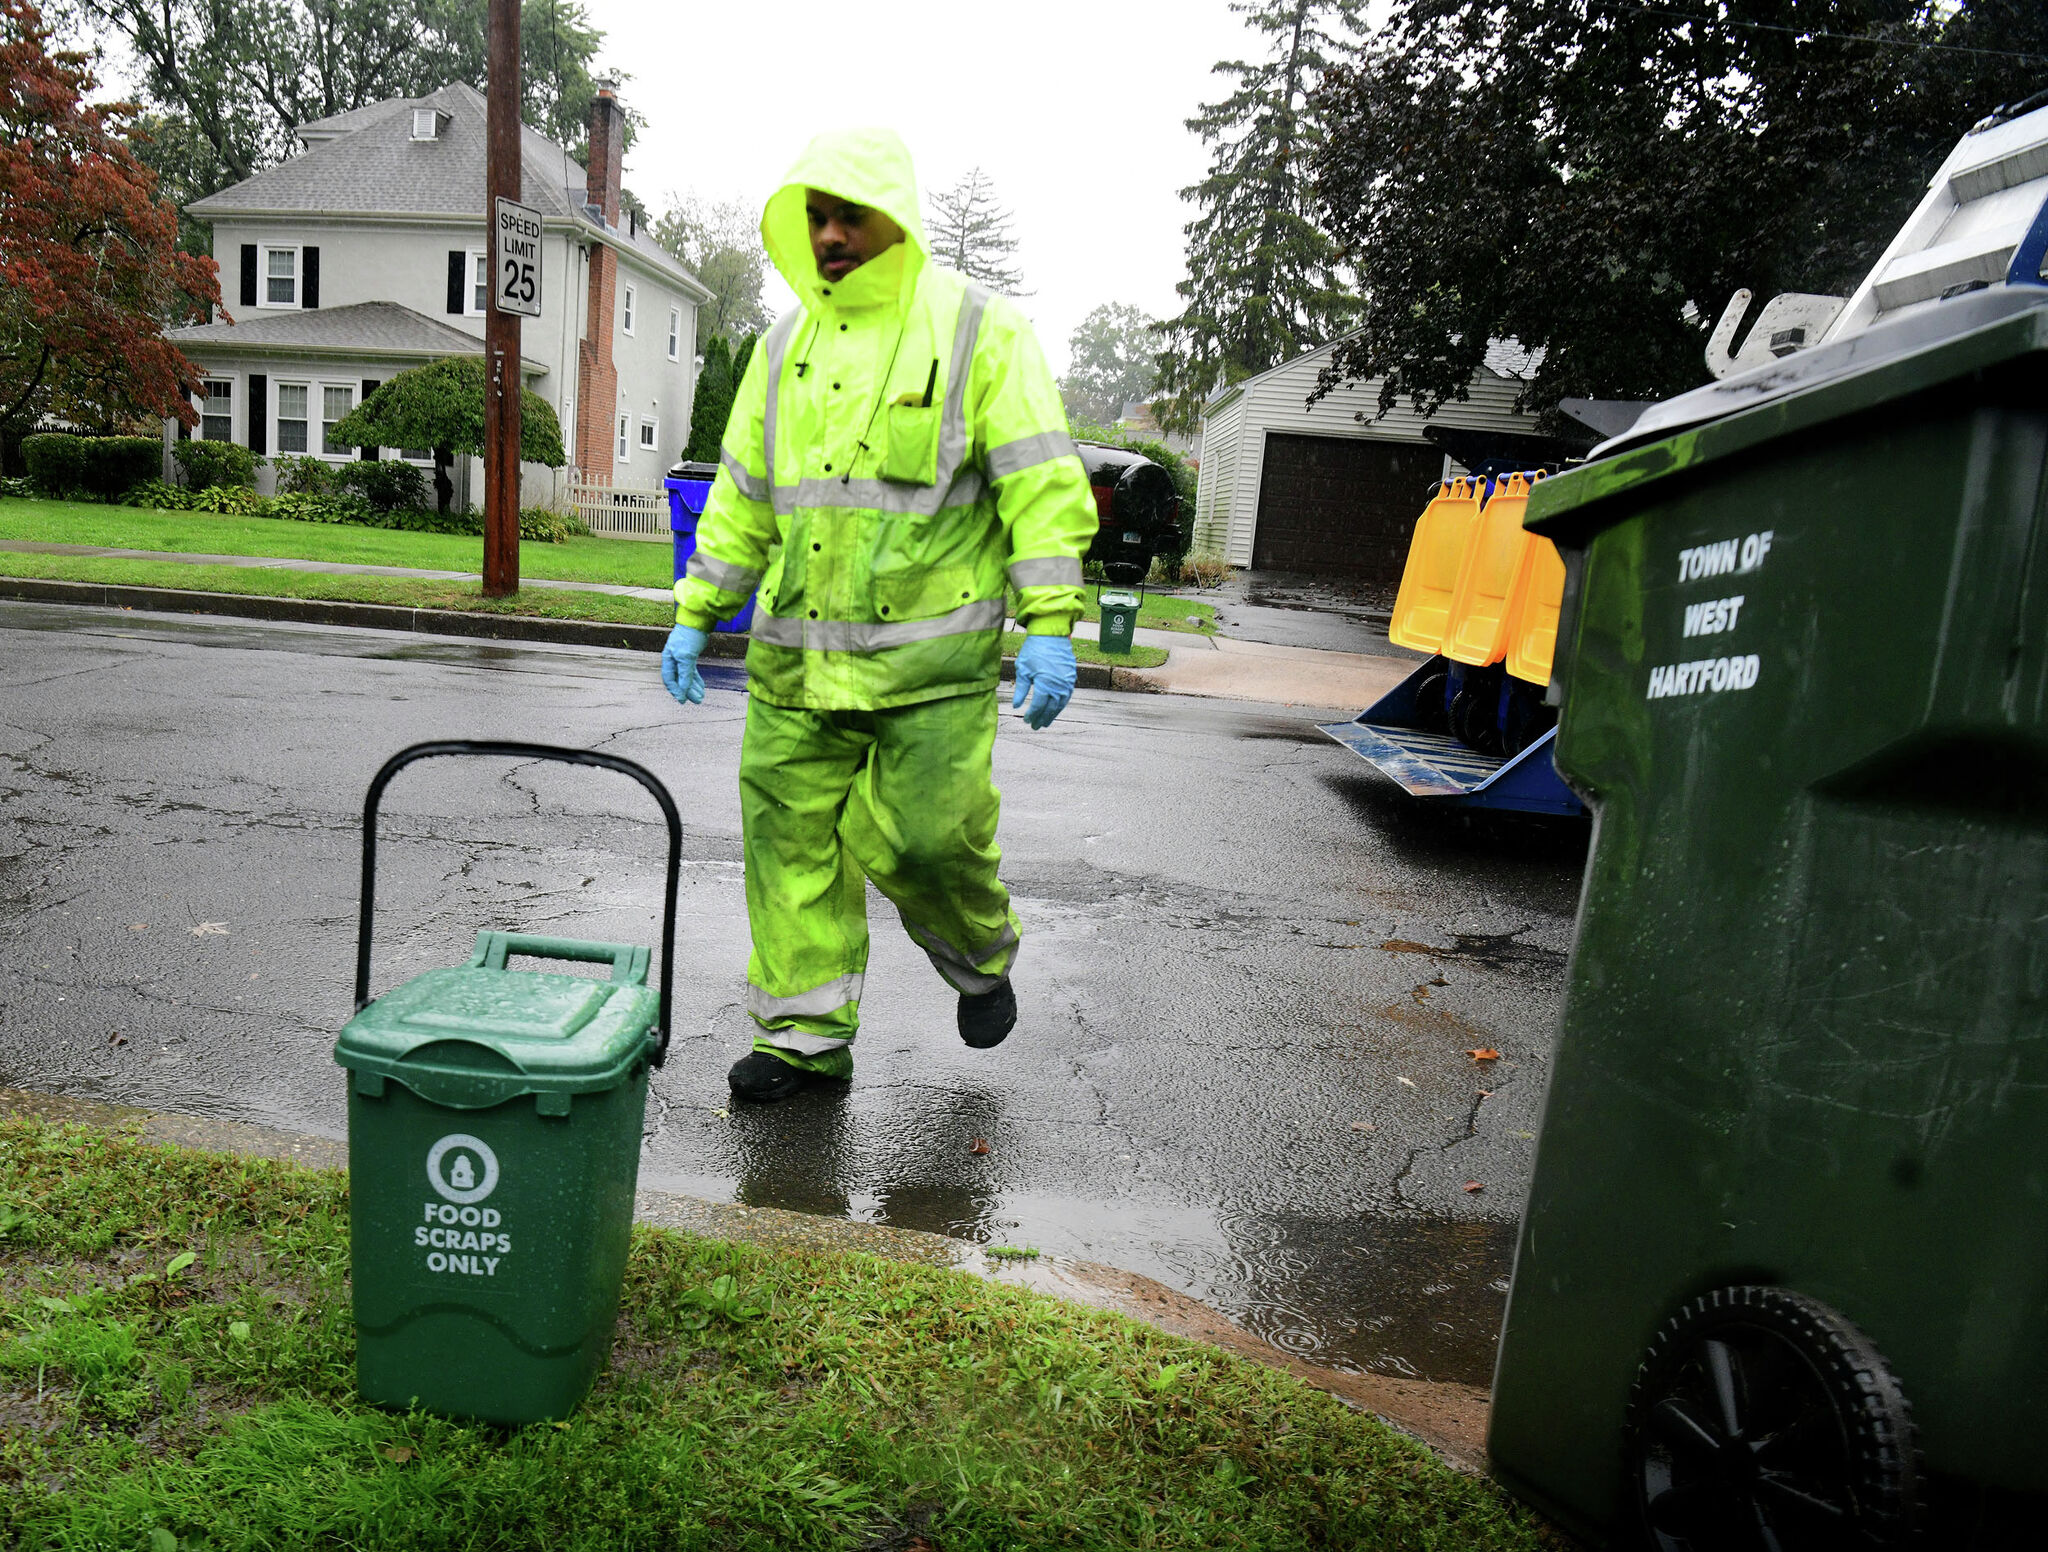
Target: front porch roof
{"type": "Point", "coordinates": [371, 331]}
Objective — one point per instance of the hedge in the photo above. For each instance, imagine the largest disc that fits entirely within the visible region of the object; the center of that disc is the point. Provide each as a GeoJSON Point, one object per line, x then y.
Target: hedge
{"type": "Point", "coordinates": [68, 467]}
{"type": "Point", "coordinates": [207, 464]}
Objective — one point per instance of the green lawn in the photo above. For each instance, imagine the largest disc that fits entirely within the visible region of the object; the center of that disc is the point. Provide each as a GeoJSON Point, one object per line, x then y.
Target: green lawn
{"type": "Point", "coordinates": [411, 593]}
{"type": "Point", "coordinates": [623, 561]}
{"type": "Point", "coordinates": [175, 1373]}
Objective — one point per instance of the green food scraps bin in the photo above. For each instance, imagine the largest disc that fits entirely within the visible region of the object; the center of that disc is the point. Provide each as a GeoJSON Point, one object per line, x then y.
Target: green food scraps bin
{"type": "Point", "coordinates": [1783, 1276]}
{"type": "Point", "coordinates": [494, 1124]}
{"type": "Point", "coordinates": [1118, 608]}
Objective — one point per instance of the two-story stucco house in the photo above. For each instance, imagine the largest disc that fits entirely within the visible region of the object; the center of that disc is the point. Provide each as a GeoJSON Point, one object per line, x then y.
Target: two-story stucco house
{"type": "Point", "coordinates": [365, 254]}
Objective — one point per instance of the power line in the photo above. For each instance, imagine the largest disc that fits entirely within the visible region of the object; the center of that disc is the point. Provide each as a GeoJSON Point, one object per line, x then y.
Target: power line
{"type": "Point", "coordinates": [1840, 37]}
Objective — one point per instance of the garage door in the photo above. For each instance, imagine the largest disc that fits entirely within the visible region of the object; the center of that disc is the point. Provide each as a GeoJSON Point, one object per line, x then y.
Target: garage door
{"type": "Point", "coordinates": [1341, 506]}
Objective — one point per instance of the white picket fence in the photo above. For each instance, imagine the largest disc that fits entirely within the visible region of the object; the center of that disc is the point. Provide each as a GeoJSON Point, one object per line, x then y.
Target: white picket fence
{"type": "Point", "coordinates": [618, 509]}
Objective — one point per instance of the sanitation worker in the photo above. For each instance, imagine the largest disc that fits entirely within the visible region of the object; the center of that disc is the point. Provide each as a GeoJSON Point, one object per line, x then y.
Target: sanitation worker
{"type": "Point", "coordinates": [896, 456]}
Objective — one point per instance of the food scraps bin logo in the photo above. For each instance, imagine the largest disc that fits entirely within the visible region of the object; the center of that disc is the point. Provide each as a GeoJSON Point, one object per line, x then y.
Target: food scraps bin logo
{"type": "Point", "coordinates": [462, 1168]}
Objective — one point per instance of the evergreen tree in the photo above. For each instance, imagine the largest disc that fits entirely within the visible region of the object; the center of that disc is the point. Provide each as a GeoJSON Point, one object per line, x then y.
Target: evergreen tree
{"type": "Point", "coordinates": [712, 406]}
{"type": "Point", "coordinates": [1263, 282]}
{"type": "Point", "coordinates": [969, 230]}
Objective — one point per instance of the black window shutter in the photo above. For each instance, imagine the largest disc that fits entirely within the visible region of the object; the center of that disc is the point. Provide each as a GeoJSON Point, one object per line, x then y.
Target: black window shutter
{"type": "Point", "coordinates": [369, 454]}
{"type": "Point", "coordinates": [248, 274]}
{"type": "Point", "coordinates": [309, 293]}
{"type": "Point", "coordinates": [259, 413]}
{"type": "Point", "coordinates": [458, 279]}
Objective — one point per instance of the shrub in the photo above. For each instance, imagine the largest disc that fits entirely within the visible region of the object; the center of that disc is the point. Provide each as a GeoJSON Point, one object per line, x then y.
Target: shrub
{"type": "Point", "coordinates": [545, 527]}
{"type": "Point", "coordinates": [387, 484]}
{"type": "Point", "coordinates": [304, 475]}
{"type": "Point", "coordinates": [157, 494]}
{"type": "Point", "coordinates": [339, 506]}
{"type": "Point", "coordinates": [96, 468]}
{"type": "Point", "coordinates": [210, 464]}
{"type": "Point", "coordinates": [18, 486]}
{"type": "Point", "coordinates": [228, 501]}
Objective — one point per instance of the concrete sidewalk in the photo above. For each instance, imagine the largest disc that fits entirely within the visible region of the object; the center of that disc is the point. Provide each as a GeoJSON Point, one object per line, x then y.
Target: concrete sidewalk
{"type": "Point", "coordinates": [1216, 666]}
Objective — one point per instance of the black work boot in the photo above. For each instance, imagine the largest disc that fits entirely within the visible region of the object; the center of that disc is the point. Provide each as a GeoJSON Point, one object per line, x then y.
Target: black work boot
{"type": "Point", "coordinates": [985, 1019]}
{"type": "Point", "coordinates": [763, 1079]}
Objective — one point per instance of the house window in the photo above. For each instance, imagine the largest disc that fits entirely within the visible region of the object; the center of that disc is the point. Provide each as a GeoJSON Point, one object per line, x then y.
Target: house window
{"type": "Point", "coordinates": [675, 334]}
{"type": "Point", "coordinates": [336, 400]}
{"type": "Point", "coordinates": [479, 283]}
{"type": "Point", "coordinates": [295, 405]}
{"type": "Point", "coordinates": [629, 310]}
{"type": "Point", "coordinates": [217, 410]}
{"type": "Point", "coordinates": [280, 277]}
{"type": "Point", "coordinates": [291, 417]}
{"type": "Point", "coordinates": [625, 430]}
{"type": "Point", "coordinates": [426, 124]}
{"type": "Point", "coordinates": [647, 432]}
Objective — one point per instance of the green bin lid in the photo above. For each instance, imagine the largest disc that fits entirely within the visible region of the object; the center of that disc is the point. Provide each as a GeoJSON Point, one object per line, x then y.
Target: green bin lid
{"type": "Point", "coordinates": [477, 1035]}
{"type": "Point", "coordinates": [1981, 333]}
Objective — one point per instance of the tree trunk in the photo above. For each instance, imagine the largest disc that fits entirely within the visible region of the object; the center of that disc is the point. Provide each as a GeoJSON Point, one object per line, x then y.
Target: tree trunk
{"type": "Point", "coordinates": [444, 487]}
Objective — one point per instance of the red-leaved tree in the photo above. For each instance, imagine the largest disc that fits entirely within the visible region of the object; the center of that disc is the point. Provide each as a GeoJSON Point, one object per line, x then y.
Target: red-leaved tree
{"type": "Point", "coordinates": [90, 274]}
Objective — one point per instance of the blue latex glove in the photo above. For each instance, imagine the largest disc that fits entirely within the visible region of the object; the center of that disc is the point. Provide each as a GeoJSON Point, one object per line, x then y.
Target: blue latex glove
{"type": "Point", "coordinates": [1045, 672]}
{"type": "Point", "coordinates": [679, 664]}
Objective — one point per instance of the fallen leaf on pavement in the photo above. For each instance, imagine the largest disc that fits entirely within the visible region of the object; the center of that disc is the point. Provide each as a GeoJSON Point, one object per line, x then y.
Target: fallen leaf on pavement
{"type": "Point", "coordinates": [1363, 1126]}
{"type": "Point", "coordinates": [1485, 1053]}
{"type": "Point", "coordinates": [1409, 1081]}
{"type": "Point", "coordinates": [138, 926]}
{"type": "Point", "coordinates": [397, 1454]}
{"type": "Point", "coordinates": [210, 930]}
{"type": "Point", "coordinates": [1486, 1093]}
{"type": "Point", "coordinates": [116, 1039]}
{"type": "Point", "coordinates": [979, 1145]}
{"type": "Point", "coordinates": [1473, 1185]}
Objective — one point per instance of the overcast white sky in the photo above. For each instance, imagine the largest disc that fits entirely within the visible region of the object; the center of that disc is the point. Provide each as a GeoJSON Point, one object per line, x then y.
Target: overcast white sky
{"type": "Point", "coordinates": [1075, 108]}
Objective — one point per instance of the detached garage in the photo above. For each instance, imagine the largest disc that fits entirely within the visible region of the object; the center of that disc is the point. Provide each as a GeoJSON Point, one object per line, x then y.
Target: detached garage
{"type": "Point", "coordinates": [1287, 487]}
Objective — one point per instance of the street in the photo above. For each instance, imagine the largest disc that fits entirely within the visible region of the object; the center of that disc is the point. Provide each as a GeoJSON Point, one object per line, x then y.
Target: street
{"type": "Point", "coordinates": [1251, 976]}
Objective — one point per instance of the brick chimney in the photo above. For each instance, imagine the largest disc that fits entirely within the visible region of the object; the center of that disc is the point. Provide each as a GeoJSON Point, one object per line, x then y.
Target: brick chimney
{"type": "Point", "coordinates": [597, 376]}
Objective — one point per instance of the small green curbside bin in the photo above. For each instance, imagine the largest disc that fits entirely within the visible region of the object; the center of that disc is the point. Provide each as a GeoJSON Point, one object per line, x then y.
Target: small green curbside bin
{"type": "Point", "coordinates": [1118, 608]}
{"type": "Point", "coordinates": [494, 1125]}
{"type": "Point", "coordinates": [1783, 1275]}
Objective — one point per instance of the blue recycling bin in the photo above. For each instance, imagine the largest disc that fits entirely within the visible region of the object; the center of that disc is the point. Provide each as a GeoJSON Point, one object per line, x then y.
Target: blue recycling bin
{"type": "Point", "coordinates": [689, 487]}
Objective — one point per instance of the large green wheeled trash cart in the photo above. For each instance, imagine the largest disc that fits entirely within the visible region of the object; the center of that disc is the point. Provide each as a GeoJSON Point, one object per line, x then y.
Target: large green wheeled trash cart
{"type": "Point", "coordinates": [1783, 1278]}
{"type": "Point", "coordinates": [494, 1125]}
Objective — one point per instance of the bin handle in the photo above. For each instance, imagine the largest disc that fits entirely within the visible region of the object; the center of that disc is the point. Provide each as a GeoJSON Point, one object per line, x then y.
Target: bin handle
{"type": "Point", "coordinates": [491, 746]}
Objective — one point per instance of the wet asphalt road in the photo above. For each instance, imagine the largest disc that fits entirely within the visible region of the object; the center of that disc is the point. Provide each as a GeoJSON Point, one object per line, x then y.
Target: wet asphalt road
{"type": "Point", "coordinates": [1250, 975]}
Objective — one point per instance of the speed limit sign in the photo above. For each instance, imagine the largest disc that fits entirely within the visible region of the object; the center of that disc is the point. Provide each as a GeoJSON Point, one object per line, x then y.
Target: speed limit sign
{"type": "Point", "coordinates": [516, 281]}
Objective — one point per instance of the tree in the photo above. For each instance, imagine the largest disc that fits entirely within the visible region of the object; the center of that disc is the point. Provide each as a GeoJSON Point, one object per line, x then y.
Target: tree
{"type": "Point", "coordinates": [441, 405]}
{"type": "Point", "coordinates": [1113, 359]}
{"type": "Point", "coordinates": [969, 229]}
{"type": "Point", "coordinates": [89, 267]}
{"type": "Point", "coordinates": [1593, 178]}
{"type": "Point", "coordinates": [711, 407]}
{"type": "Point", "coordinates": [1263, 282]}
{"type": "Point", "coordinates": [238, 77]}
{"type": "Point", "coordinates": [720, 242]}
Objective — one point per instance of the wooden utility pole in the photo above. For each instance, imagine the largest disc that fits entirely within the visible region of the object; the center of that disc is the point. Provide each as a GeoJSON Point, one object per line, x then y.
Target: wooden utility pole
{"type": "Point", "coordinates": [501, 327]}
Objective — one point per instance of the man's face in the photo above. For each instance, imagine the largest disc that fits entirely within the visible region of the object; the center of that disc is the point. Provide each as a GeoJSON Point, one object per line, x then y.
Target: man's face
{"type": "Point", "coordinates": [844, 235]}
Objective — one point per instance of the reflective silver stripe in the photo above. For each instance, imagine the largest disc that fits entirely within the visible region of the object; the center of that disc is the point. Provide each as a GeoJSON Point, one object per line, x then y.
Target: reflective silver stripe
{"type": "Point", "coordinates": [776, 344]}
{"type": "Point", "coordinates": [723, 575]}
{"type": "Point", "coordinates": [953, 427]}
{"type": "Point", "coordinates": [801, 1041]}
{"type": "Point", "coordinates": [752, 486]}
{"type": "Point", "coordinates": [955, 966]}
{"type": "Point", "coordinates": [1028, 453]}
{"type": "Point", "coordinates": [829, 998]}
{"type": "Point", "coordinates": [1048, 571]}
{"type": "Point", "coordinates": [984, 614]}
{"type": "Point", "coordinates": [879, 495]}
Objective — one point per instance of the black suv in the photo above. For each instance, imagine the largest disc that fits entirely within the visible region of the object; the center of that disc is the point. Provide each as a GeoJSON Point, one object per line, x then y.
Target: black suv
{"type": "Point", "coordinates": [1137, 507]}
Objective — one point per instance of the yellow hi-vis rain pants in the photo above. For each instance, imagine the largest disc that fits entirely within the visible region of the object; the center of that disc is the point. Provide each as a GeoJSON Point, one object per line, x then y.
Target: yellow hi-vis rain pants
{"type": "Point", "coordinates": [830, 799]}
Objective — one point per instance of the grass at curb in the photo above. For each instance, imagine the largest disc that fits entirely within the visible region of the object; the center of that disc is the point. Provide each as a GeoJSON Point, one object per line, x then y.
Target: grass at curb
{"type": "Point", "coordinates": [414, 593]}
{"type": "Point", "coordinates": [624, 562]}
{"type": "Point", "coordinates": [175, 1362]}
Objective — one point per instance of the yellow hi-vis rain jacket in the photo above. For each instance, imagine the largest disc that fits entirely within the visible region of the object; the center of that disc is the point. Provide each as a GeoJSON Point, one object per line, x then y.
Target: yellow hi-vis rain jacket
{"type": "Point", "coordinates": [897, 452]}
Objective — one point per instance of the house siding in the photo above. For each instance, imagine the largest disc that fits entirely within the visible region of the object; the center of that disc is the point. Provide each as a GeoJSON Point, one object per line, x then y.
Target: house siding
{"type": "Point", "coordinates": [1234, 440]}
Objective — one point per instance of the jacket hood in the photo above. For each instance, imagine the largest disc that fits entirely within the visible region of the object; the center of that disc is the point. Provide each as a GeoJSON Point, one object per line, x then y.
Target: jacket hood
{"type": "Point", "coordinates": [870, 167]}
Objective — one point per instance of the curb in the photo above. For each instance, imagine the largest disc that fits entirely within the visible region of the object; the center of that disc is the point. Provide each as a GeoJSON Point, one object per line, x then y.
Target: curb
{"type": "Point", "coordinates": [440, 622]}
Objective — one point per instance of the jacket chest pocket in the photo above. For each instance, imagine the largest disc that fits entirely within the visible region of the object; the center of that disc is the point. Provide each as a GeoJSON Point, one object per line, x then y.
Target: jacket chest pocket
{"type": "Point", "coordinates": [912, 454]}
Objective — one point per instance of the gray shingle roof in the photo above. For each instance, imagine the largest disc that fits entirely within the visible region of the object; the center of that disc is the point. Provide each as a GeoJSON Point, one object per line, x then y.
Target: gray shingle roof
{"type": "Point", "coordinates": [364, 328]}
{"type": "Point", "coordinates": [366, 162]}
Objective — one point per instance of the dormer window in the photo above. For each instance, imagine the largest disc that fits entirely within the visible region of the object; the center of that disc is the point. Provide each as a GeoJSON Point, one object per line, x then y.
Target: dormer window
{"type": "Point", "coordinates": [426, 124]}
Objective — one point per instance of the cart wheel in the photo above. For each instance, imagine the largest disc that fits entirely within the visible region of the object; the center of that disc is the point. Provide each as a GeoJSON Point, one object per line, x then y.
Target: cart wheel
{"type": "Point", "coordinates": [1528, 719]}
{"type": "Point", "coordinates": [1761, 1419]}
{"type": "Point", "coordinates": [1475, 717]}
{"type": "Point", "coordinates": [1432, 708]}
